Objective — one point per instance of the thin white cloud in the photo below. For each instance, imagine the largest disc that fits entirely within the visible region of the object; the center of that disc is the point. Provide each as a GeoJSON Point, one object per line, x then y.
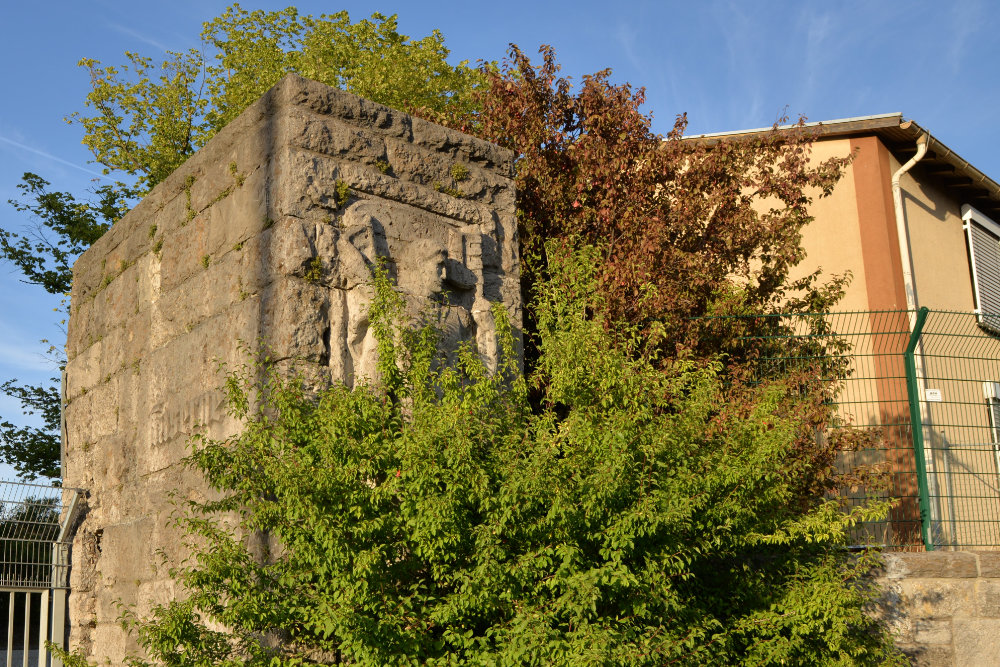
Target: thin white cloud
{"type": "Point", "coordinates": [967, 18]}
{"type": "Point", "coordinates": [741, 32]}
{"type": "Point", "coordinates": [49, 156]}
{"type": "Point", "coordinates": [22, 358]}
{"type": "Point", "coordinates": [818, 52]}
{"type": "Point", "coordinates": [626, 36]}
{"type": "Point", "coordinates": [134, 34]}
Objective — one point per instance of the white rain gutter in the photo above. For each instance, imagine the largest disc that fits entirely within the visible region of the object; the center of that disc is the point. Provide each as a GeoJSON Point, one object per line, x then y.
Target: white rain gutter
{"type": "Point", "coordinates": [901, 228]}
{"type": "Point", "coordinates": [906, 259]}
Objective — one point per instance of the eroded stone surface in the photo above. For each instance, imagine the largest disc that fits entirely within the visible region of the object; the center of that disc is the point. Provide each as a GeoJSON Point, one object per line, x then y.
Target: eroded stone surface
{"type": "Point", "coordinates": [943, 607]}
{"type": "Point", "coordinates": [251, 239]}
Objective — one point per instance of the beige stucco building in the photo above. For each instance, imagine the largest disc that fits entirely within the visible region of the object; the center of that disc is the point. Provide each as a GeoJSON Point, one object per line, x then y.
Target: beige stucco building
{"type": "Point", "coordinates": [917, 226]}
{"type": "Point", "coordinates": [856, 228]}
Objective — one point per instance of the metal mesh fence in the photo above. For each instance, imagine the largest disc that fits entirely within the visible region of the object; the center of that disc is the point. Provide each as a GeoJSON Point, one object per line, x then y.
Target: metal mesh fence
{"type": "Point", "coordinates": [957, 369]}
{"type": "Point", "coordinates": [917, 399]}
{"type": "Point", "coordinates": [34, 536]}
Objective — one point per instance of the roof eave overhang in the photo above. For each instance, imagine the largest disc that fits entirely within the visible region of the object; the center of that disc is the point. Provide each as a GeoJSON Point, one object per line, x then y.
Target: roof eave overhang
{"type": "Point", "coordinates": [948, 169]}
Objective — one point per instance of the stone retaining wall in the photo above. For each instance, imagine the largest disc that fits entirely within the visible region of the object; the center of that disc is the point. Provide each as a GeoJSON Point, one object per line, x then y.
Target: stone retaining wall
{"type": "Point", "coordinates": [944, 606]}
{"type": "Point", "coordinates": [267, 233]}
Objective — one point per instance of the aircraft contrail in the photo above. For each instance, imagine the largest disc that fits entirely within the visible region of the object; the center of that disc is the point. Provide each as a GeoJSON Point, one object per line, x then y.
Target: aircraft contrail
{"type": "Point", "coordinates": [51, 157]}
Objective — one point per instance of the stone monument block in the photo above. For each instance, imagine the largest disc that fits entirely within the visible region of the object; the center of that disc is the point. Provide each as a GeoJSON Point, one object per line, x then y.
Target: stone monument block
{"type": "Point", "coordinates": [267, 233]}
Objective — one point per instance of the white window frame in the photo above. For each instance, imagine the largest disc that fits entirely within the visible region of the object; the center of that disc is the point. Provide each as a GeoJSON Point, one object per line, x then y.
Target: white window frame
{"type": "Point", "coordinates": [971, 216]}
{"type": "Point", "coordinates": [991, 391]}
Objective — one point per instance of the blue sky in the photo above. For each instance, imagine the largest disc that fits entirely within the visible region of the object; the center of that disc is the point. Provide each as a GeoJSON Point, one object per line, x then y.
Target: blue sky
{"type": "Point", "coordinates": [730, 65]}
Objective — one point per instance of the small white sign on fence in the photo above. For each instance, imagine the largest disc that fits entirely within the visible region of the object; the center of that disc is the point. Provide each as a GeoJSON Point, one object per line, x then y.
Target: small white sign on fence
{"type": "Point", "coordinates": [932, 395]}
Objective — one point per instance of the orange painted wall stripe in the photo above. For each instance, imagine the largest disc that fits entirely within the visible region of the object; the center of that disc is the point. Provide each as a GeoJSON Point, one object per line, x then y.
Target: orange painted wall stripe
{"type": "Point", "coordinates": [884, 280]}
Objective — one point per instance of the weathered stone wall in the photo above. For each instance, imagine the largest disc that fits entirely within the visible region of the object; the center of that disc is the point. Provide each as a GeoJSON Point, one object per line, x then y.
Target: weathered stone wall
{"type": "Point", "coordinates": [268, 232]}
{"type": "Point", "coordinates": [944, 606]}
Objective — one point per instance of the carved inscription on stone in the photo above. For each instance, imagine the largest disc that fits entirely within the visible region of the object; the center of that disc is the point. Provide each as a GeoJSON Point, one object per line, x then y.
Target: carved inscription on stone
{"type": "Point", "coordinates": [169, 419]}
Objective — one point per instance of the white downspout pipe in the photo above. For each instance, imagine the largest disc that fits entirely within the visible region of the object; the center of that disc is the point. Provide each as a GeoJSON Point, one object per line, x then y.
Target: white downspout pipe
{"type": "Point", "coordinates": [901, 229]}
{"type": "Point", "coordinates": [909, 287]}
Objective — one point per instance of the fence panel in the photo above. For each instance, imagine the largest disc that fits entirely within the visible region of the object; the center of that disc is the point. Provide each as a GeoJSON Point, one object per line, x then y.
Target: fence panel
{"type": "Point", "coordinates": [35, 522]}
{"type": "Point", "coordinates": [960, 409]}
{"type": "Point", "coordinates": [916, 397]}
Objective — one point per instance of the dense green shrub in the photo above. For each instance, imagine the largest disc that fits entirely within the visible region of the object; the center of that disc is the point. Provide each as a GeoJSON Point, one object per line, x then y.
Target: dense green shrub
{"type": "Point", "coordinates": [636, 517]}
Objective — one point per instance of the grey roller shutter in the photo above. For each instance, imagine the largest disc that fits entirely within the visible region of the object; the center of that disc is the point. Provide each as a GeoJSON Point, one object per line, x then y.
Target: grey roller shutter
{"type": "Point", "coordinates": [994, 406]}
{"type": "Point", "coordinates": [986, 264]}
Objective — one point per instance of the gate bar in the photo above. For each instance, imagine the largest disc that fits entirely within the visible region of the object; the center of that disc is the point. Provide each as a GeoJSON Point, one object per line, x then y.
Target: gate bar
{"type": "Point", "coordinates": [10, 630]}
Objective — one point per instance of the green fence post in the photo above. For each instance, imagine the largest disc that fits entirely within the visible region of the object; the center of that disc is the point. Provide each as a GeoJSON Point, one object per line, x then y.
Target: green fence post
{"type": "Point", "coordinates": [917, 428]}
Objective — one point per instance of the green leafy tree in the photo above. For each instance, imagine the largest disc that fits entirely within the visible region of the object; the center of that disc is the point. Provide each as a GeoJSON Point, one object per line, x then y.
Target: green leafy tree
{"type": "Point", "coordinates": [688, 232]}
{"type": "Point", "coordinates": [634, 518]}
{"type": "Point", "coordinates": [684, 228]}
{"type": "Point", "coordinates": [33, 451]}
{"type": "Point", "coordinates": [619, 505]}
{"type": "Point", "coordinates": [61, 228]}
{"type": "Point", "coordinates": [145, 118]}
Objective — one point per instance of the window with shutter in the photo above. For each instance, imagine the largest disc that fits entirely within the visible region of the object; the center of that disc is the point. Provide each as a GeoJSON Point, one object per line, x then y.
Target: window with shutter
{"type": "Point", "coordinates": [983, 237]}
{"type": "Point", "coordinates": [992, 393]}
